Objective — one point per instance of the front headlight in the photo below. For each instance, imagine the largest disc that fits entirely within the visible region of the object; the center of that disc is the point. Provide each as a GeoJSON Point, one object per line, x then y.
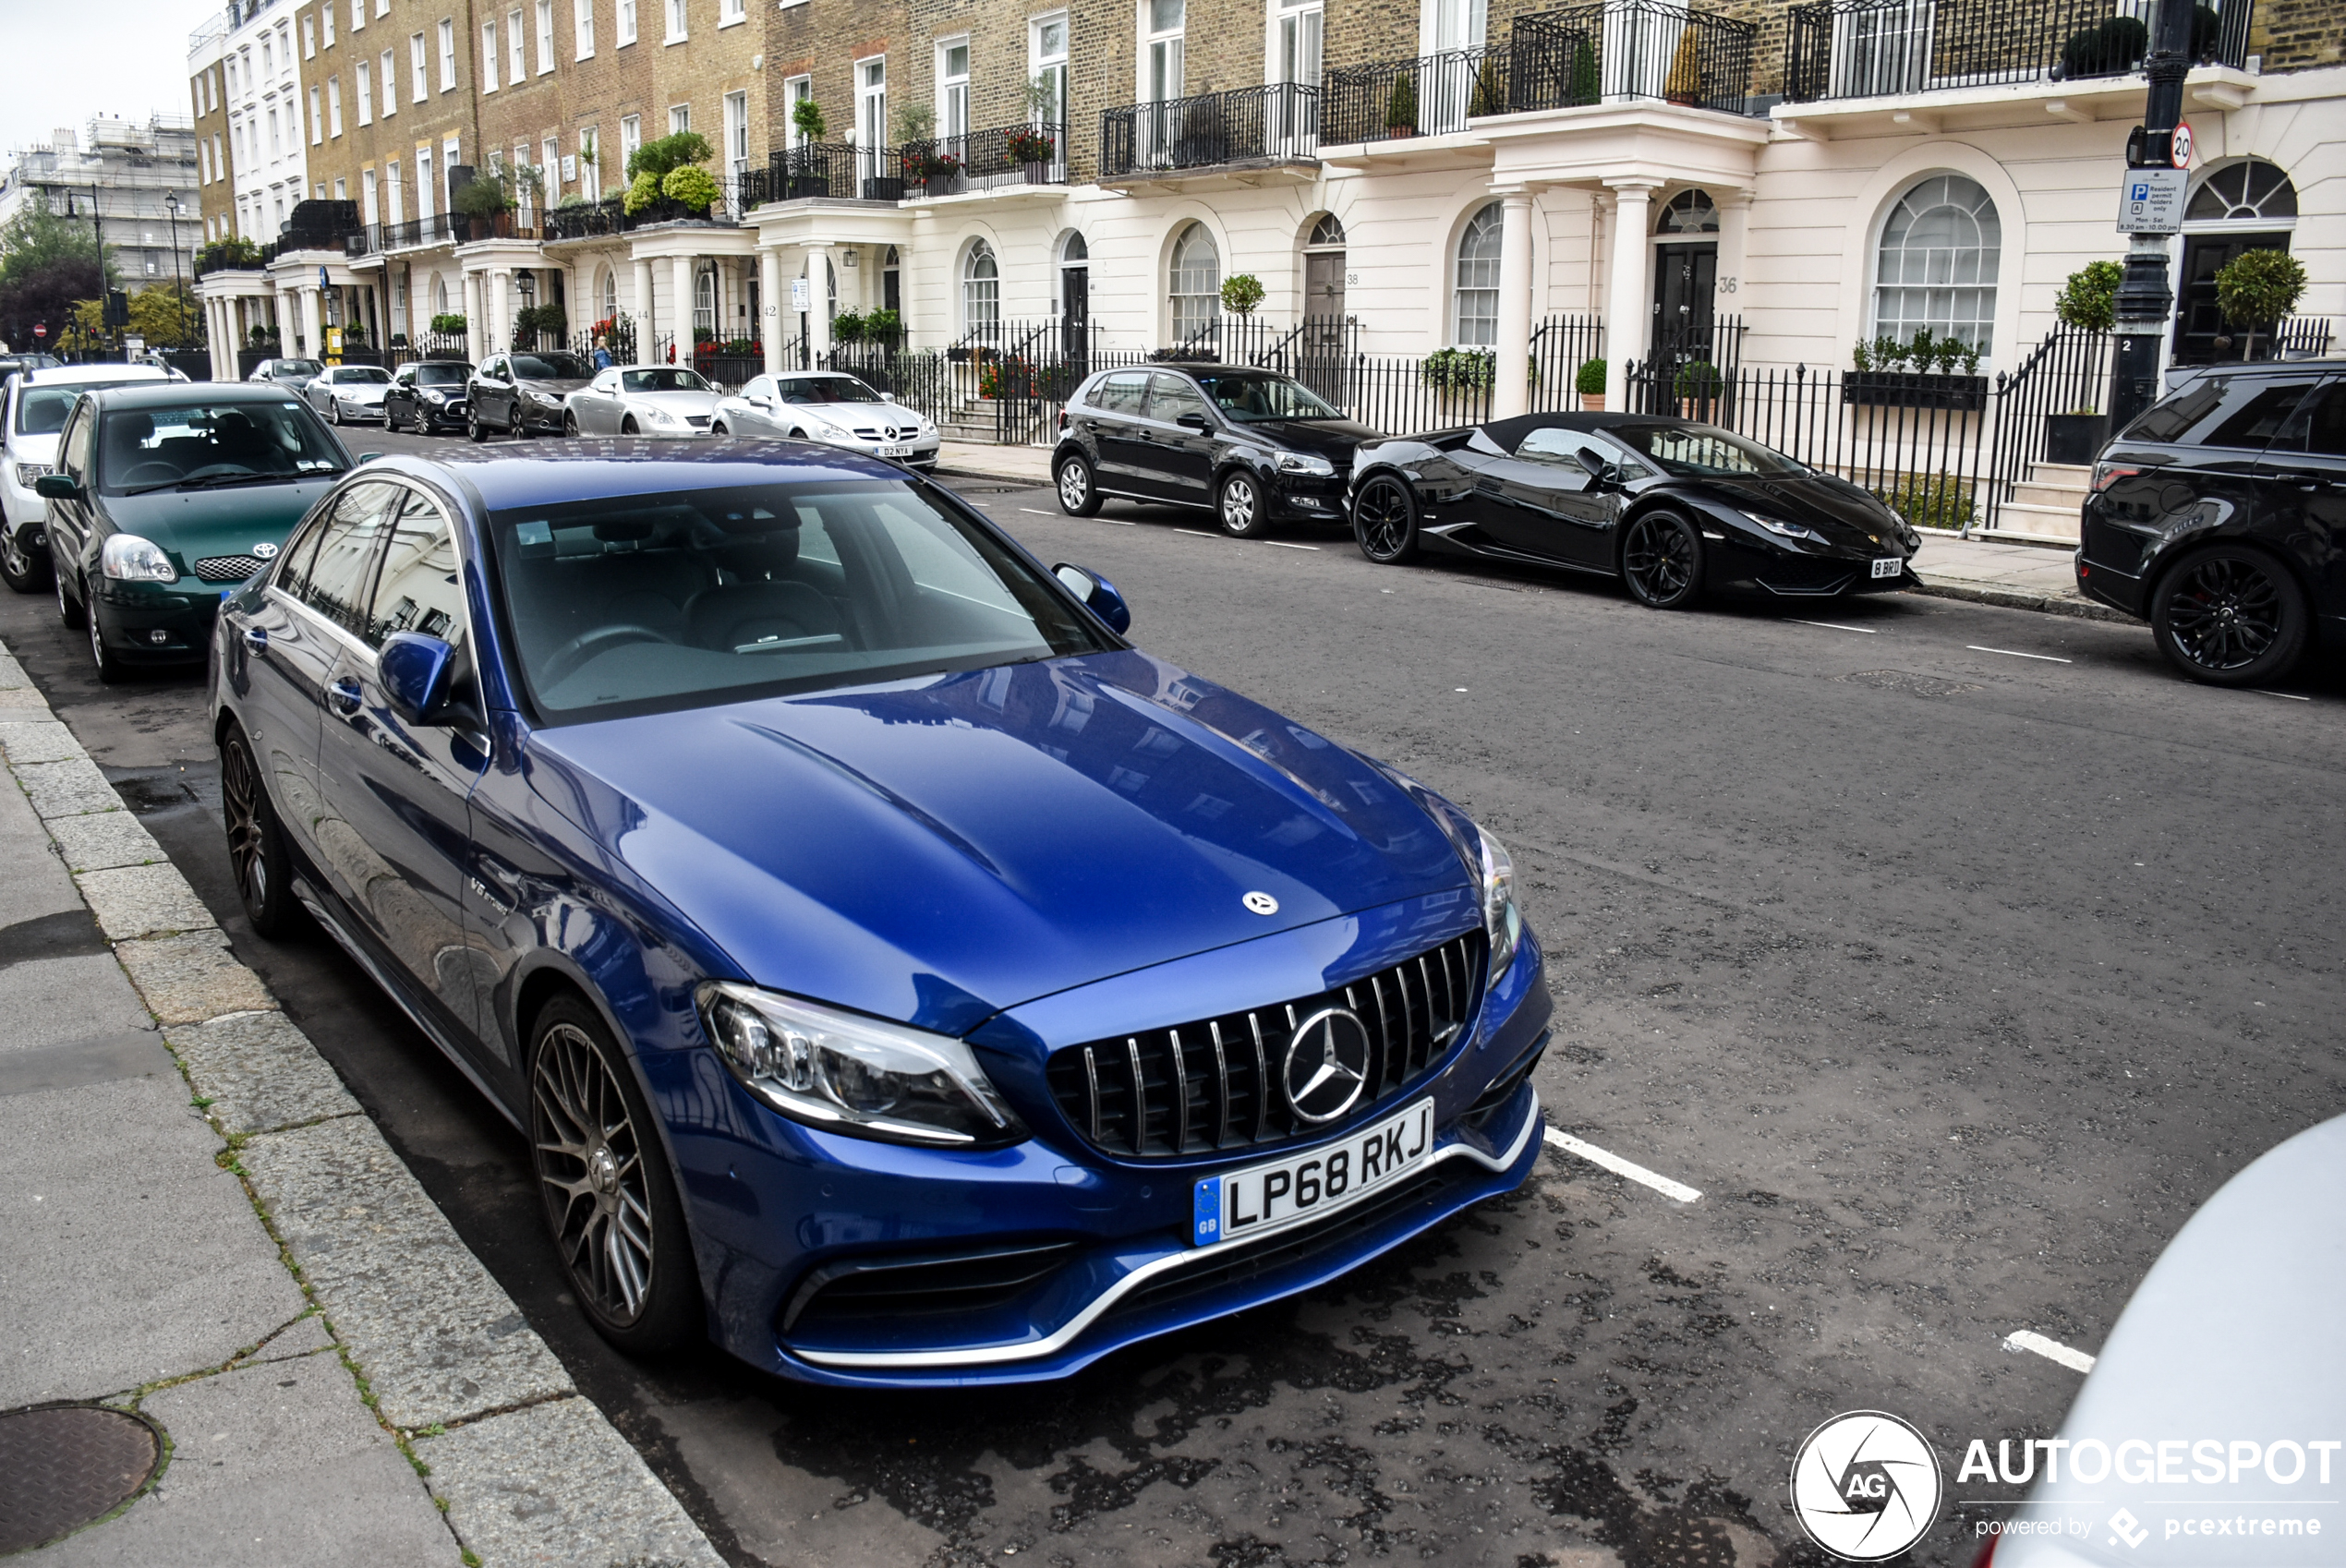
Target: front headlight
{"type": "Point", "coordinates": [435, 398]}
{"type": "Point", "coordinates": [1784, 530]}
{"type": "Point", "coordinates": [660, 417]}
{"type": "Point", "coordinates": [28, 471]}
{"type": "Point", "coordinates": [1486, 861]}
{"type": "Point", "coordinates": [126, 558]}
{"type": "Point", "coordinates": [1305, 463]}
{"type": "Point", "coordinates": [846, 1073]}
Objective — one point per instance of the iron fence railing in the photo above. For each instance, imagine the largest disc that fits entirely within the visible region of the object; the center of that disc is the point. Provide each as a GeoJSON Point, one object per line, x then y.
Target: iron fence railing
{"type": "Point", "coordinates": [1872, 48]}
{"type": "Point", "coordinates": [1393, 99]}
{"type": "Point", "coordinates": [1618, 51]}
{"type": "Point", "coordinates": [1276, 121]}
{"type": "Point", "coordinates": [834, 171]}
{"type": "Point", "coordinates": [411, 234]}
{"type": "Point", "coordinates": [2305, 337]}
{"type": "Point", "coordinates": [946, 165]}
{"type": "Point", "coordinates": [429, 345]}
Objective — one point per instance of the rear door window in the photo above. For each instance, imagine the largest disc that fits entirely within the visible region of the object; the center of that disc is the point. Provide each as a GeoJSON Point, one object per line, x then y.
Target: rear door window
{"type": "Point", "coordinates": [2224, 411]}
{"type": "Point", "coordinates": [1122, 393]}
{"type": "Point", "coordinates": [341, 576]}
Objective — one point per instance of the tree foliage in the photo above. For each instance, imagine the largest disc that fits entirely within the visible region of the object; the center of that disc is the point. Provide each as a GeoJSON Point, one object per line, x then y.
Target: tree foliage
{"type": "Point", "coordinates": [47, 263]}
{"type": "Point", "coordinates": [669, 152]}
{"type": "Point", "coordinates": [2258, 288]}
{"type": "Point", "coordinates": [2089, 299]}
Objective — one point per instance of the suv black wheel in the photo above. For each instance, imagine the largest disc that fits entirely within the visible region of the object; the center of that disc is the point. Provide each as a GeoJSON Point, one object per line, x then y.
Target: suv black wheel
{"type": "Point", "coordinates": [1385, 521]}
{"type": "Point", "coordinates": [1662, 559]}
{"type": "Point", "coordinates": [257, 852]}
{"type": "Point", "coordinates": [610, 1199]}
{"type": "Point", "coordinates": [2231, 616]}
{"type": "Point", "coordinates": [1078, 497]}
{"type": "Point", "coordinates": [1241, 508]}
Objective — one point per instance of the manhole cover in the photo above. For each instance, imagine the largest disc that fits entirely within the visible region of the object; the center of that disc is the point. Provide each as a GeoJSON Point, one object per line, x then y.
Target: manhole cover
{"type": "Point", "coordinates": [62, 1466]}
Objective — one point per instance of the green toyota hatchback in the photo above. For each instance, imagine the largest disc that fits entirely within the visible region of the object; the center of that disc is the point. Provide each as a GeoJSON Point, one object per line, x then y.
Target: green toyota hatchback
{"type": "Point", "coordinates": [167, 493]}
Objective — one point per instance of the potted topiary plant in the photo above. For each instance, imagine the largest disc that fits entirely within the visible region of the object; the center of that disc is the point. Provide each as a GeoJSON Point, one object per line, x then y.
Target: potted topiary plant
{"type": "Point", "coordinates": [2088, 302]}
{"type": "Point", "coordinates": [692, 188]}
{"type": "Point", "coordinates": [1684, 83]}
{"type": "Point", "coordinates": [1241, 292]}
{"type": "Point", "coordinates": [1589, 382]}
{"type": "Point", "coordinates": [1401, 107]}
{"type": "Point", "coordinates": [1697, 387]}
{"type": "Point", "coordinates": [1878, 378]}
{"type": "Point", "coordinates": [847, 327]}
{"type": "Point", "coordinates": [2257, 288]}
{"type": "Point", "coordinates": [885, 328]}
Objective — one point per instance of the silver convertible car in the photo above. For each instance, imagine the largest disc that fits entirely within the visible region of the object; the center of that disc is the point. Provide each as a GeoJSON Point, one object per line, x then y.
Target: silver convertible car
{"type": "Point", "coordinates": [344, 394]}
{"type": "Point", "coordinates": [641, 400]}
{"type": "Point", "coordinates": [832, 407]}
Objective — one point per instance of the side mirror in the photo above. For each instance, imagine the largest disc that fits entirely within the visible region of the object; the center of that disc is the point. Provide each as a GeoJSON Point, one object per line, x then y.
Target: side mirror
{"type": "Point", "coordinates": [1099, 595]}
{"type": "Point", "coordinates": [369, 456]}
{"type": "Point", "coordinates": [414, 670]}
{"type": "Point", "coordinates": [1192, 422]}
{"type": "Point", "coordinates": [57, 487]}
{"type": "Point", "coordinates": [887, 397]}
{"type": "Point", "coordinates": [766, 402]}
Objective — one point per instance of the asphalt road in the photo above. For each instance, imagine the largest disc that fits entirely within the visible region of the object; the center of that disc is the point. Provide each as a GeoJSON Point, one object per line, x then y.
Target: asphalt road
{"type": "Point", "coordinates": [1952, 979]}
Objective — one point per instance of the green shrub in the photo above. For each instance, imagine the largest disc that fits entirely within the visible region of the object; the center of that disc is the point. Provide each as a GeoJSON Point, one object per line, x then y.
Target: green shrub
{"type": "Point", "coordinates": [657, 158]}
{"type": "Point", "coordinates": [642, 191]}
{"type": "Point", "coordinates": [1589, 382]}
{"type": "Point", "coordinates": [1241, 292]}
{"type": "Point", "coordinates": [847, 327]}
{"type": "Point", "coordinates": [1697, 378]}
{"type": "Point", "coordinates": [1401, 108]}
{"type": "Point", "coordinates": [447, 325]}
{"type": "Point", "coordinates": [484, 196]}
{"type": "Point", "coordinates": [883, 327]}
{"type": "Point", "coordinates": [1929, 501]}
{"type": "Point", "coordinates": [2089, 299]}
{"type": "Point", "coordinates": [806, 118]}
{"type": "Point", "coordinates": [1456, 370]}
{"type": "Point", "coordinates": [2258, 286]}
{"type": "Point", "coordinates": [692, 187]}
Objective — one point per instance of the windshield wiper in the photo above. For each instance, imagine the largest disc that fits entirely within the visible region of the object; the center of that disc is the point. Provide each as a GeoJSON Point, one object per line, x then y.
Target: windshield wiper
{"type": "Point", "coordinates": [216, 481]}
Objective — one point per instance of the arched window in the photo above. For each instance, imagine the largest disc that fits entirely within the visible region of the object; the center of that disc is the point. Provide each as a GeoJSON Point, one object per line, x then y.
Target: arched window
{"type": "Point", "coordinates": [981, 289]}
{"type": "Point", "coordinates": [1324, 272]}
{"type": "Point", "coordinates": [1195, 285]}
{"type": "Point", "coordinates": [610, 293]}
{"type": "Point", "coordinates": [1326, 232]}
{"type": "Point", "coordinates": [1474, 311]}
{"type": "Point", "coordinates": [1688, 212]}
{"type": "Point", "coordinates": [1074, 252]}
{"type": "Point", "coordinates": [2249, 191]}
{"type": "Point", "coordinates": [440, 295]}
{"type": "Point", "coordinates": [704, 301]}
{"type": "Point", "coordinates": [1938, 261]}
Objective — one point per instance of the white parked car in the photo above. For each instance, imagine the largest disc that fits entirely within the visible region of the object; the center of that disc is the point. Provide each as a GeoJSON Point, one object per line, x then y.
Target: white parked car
{"type": "Point", "coordinates": [641, 400]}
{"type": "Point", "coordinates": [32, 412]}
{"type": "Point", "coordinates": [834, 408]}
{"type": "Point", "coordinates": [344, 394]}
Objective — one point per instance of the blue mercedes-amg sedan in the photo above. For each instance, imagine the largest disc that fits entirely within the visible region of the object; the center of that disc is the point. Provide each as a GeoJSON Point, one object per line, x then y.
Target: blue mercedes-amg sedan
{"type": "Point", "coordinates": [899, 976]}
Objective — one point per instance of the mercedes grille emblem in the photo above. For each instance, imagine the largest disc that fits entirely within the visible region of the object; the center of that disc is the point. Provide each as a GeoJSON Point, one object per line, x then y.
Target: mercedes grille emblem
{"type": "Point", "coordinates": [1328, 1065]}
{"type": "Point", "coordinates": [264, 551]}
{"type": "Point", "coordinates": [1260, 903]}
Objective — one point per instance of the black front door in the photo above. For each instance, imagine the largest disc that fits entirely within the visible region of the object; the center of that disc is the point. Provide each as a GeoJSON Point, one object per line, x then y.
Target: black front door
{"type": "Point", "coordinates": [1545, 500]}
{"type": "Point", "coordinates": [1684, 277]}
{"type": "Point", "coordinates": [2201, 335]}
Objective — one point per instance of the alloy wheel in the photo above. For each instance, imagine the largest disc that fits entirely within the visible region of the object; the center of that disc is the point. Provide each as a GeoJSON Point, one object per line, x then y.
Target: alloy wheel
{"type": "Point", "coordinates": [1659, 558]}
{"type": "Point", "coordinates": [1241, 508]}
{"type": "Point", "coordinates": [590, 1168]}
{"type": "Point", "coordinates": [110, 668]}
{"type": "Point", "coordinates": [240, 801]}
{"type": "Point", "coordinates": [2223, 613]}
{"type": "Point", "coordinates": [1385, 525]}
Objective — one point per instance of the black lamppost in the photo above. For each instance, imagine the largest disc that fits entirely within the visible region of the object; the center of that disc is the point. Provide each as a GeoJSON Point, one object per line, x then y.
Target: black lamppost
{"type": "Point", "coordinates": [171, 203]}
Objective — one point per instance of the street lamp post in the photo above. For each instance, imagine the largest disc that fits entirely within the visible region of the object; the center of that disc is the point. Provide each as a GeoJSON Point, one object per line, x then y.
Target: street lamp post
{"type": "Point", "coordinates": [171, 204]}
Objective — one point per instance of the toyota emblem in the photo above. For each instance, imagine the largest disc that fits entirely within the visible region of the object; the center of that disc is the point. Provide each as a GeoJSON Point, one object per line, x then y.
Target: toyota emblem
{"type": "Point", "coordinates": [1328, 1065]}
{"type": "Point", "coordinates": [264, 551]}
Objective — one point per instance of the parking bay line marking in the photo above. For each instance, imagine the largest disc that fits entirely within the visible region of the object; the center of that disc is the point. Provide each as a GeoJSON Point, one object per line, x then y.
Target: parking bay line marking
{"type": "Point", "coordinates": [2013, 653]}
{"type": "Point", "coordinates": [1198, 533]}
{"type": "Point", "coordinates": [2051, 1349]}
{"type": "Point", "coordinates": [1037, 512]}
{"type": "Point", "coordinates": [1835, 626]}
{"type": "Point", "coordinates": [1676, 1190]}
{"type": "Point", "coordinates": [1285, 545]}
{"type": "Point", "coordinates": [2290, 695]}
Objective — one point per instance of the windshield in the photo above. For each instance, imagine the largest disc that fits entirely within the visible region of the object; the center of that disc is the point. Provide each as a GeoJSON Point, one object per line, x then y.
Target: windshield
{"type": "Point", "coordinates": [442, 375]}
{"type": "Point", "coordinates": [353, 375]}
{"type": "Point", "coordinates": [646, 603]}
{"type": "Point", "coordinates": [661, 380]}
{"type": "Point", "coordinates": [1701, 451]}
{"type": "Point", "coordinates": [200, 443]}
{"type": "Point", "coordinates": [298, 368]}
{"type": "Point", "coordinates": [551, 367]}
{"type": "Point", "coordinates": [41, 411]}
{"type": "Point", "coordinates": [828, 388]}
{"type": "Point", "coordinates": [1251, 398]}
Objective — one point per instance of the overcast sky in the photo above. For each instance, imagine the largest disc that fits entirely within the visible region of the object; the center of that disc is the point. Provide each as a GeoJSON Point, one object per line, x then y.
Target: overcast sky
{"type": "Point", "coordinates": [74, 60]}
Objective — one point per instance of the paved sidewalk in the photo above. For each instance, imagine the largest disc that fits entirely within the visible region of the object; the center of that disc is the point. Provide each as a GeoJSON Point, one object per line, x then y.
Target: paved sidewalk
{"type": "Point", "coordinates": [202, 1226]}
{"type": "Point", "coordinates": [2015, 576]}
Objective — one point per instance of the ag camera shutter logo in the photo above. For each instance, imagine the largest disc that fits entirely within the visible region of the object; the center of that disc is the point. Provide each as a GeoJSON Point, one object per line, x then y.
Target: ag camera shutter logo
{"type": "Point", "coordinates": [1866, 1486]}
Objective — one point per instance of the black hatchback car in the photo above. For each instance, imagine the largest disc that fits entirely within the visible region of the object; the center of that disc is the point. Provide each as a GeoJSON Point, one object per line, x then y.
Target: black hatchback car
{"type": "Point", "coordinates": [1254, 446]}
{"type": "Point", "coordinates": [1672, 507]}
{"type": "Point", "coordinates": [521, 394]}
{"type": "Point", "coordinates": [427, 395]}
{"type": "Point", "coordinates": [2220, 516]}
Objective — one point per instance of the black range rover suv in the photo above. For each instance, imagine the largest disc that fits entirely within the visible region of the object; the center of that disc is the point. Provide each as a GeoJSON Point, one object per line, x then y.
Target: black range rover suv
{"type": "Point", "coordinates": [1254, 446]}
{"type": "Point", "coordinates": [2220, 516]}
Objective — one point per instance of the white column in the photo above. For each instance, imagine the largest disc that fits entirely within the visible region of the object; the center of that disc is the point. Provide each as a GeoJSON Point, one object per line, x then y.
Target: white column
{"type": "Point", "coordinates": [1513, 361]}
{"type": "Point", "coordinates": [501, 311]}
{"type": "Point", "coordinates": [211, 330]}
{"type": "Point", "coordinates": [313, 322]}
{"type": "Point", "coordinates": [769, 305]}
{"type": "Point", "coordinates": [680, 274]}
{"type": "Point", "coordinates": [476, 326]}
{"type": "Point", "coordinates": [1627, 287]}
{"type": "Point", "coordinates": [286, 331]}
{"type": "Point", "coordinates": [641, 307]}
{"type": "Point", "coordinates": [819, 302]}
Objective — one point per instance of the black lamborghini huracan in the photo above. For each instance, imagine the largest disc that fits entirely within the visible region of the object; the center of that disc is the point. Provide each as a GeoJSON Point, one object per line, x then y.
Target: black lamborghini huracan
{"type": "Point", "coordinates": [1672, 507]}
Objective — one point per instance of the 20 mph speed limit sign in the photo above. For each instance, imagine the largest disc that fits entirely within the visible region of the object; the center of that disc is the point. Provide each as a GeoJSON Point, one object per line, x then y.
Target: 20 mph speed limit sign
{"type": "Point", "coordinates": [2179, 147]}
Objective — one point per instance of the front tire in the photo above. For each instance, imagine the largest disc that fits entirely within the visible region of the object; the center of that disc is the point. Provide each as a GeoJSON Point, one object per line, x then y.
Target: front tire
{"type": "Point", "coordinates": [570, 425]}
{"type": "Point", "coordinates": [610, 1200]}
{"type": "Point", "coordinates": [22, 570]}
{"type": "Point", "coordinates": [1385, 521]}
{"type": "Point", "coordinates": [70, 610]}
{"type": "Point", "coordinates": [111, 670]}
{"type": "Point", "coordinates": [1078, 496]}
{"type": "Point", "coordinates": [1239, 506]}
{"type": "Point", "coordinates": [473, 426]}
{"type": "Point", "coordinates": [2230, 616]}
{"type": "Point", "coordinates": [627, 426]}
{"type": "Point", "coordinates": [257, 853]}
{"type": "Point", "coordinates": [1661, 561]}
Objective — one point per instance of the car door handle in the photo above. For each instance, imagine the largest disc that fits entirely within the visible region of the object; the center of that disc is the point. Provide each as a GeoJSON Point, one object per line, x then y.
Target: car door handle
{"type": "Point", "coordinates": [257, 639]}
{"type": "Point", "coordinates": [344, 696]}
{"type": "Point", "coordinates": [2306, 482]}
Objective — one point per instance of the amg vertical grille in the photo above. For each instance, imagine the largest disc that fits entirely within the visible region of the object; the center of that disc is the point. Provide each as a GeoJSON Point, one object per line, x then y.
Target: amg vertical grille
{"type": "Point", "coordinates": [1214, 1085]}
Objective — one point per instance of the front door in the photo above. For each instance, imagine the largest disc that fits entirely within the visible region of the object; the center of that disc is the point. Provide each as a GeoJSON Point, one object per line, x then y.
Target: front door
{"type": "Point", "coordinates": [1075, 314]}
{"type": "Point", "coordinates": [1684, 279]}
{"type": "Point", "coordinates": [1324, 286]}
{"type": "Point", "coordinates": [1181, 455]}
{"type": "Point", "coordinates": [2201, 335]}
{"type": "Point", "coordinates": [1545, 500]}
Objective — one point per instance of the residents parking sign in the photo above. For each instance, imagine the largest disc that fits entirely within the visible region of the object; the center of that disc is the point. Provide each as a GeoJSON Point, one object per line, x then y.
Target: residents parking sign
{"type": "Point", "coordinates": [2151, 201]}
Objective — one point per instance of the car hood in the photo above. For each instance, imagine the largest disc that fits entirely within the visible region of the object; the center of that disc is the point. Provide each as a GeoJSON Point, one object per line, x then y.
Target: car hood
{"type": "Point", "coordinates": [2232, 1335]}
{"type": "Point", "coordinates": [1834, 507]}
{"type": "Point", "coordinates": [848, 415]}
{"type": "Point", "coordinates": [192, 525]}
{"type": "Point", "coordinates": [556, 388]}
{"type": "Point", "coordinates": [941, 849]}
{"type": "Point", "coordinates": [363, 392]}
{"type": "Point", "coordinates": [1335, 439]}
{"type": "Point", "coordinates": [679, 402]}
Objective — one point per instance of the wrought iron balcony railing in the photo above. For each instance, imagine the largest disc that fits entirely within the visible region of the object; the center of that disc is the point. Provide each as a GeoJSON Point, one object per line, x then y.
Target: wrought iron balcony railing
{"type": "Point", "coordinates": [1622, 50]}
{"type": "Point", "coordinates": [834, 171]}
{"type": "Point", "coordinates": [1877, 48]}
{"type": "Point", "coordinates": [1394, 100]}
{"type": "Point", "coordinates": [1276, 121]}
{"type": "Point", "coordinates": [985, 160]}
